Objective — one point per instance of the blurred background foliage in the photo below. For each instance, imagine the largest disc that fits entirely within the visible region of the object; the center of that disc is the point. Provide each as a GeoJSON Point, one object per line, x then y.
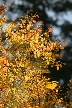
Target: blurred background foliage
{"type": "Point", "coordinates": [55, 13]}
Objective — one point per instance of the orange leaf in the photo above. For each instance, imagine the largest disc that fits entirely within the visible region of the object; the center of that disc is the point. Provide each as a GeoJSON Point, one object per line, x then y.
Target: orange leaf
{"type": "Point", "coordinates": [61, 47]}
{"type": "Point", "coordinates": [2, 7]}
{"type": "Point", "coordinates": [4, 89]}
{"type": "Point", "coordinates": [5, 69]}
{"type": "Point", "coordinates": [26, 36]}
{"type": "Point", "coordinates": [57, 55]}
{"type": "Point", "coordinates": [33, 21]}
{"type": "Point", "coordinates": [5, 62]}
{"type": "Point", "coordinates": [16, 77]}
{"type": "Point", "coordinates": [54, 44]}
{"type": "Point", "coordinates": [57, 67]}
{"type": "Point", "coordinates": [51, 46]}
{"type": "Point", "coordinates": [50, 30]}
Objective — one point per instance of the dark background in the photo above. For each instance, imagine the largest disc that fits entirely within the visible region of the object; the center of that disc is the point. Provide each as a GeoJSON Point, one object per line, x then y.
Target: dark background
{"type": "Point", "coordinates": [55, 13]}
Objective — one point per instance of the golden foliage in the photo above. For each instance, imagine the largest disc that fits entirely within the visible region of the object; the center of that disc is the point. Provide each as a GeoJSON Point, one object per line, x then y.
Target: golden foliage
{"type": "Point", "coordinates": [22, 83]}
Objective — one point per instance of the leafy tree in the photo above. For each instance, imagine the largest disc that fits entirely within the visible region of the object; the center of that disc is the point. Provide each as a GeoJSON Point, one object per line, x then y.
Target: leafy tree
{"type": "Point", "coordinates": [30, 54]}
{"type": "Point", "coordinates": [50, 13]}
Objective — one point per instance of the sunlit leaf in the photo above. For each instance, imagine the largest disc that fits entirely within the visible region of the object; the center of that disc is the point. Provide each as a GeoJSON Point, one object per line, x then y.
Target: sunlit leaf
{"type": "Point", "coordinates": [26, 78]}
{"type": "Point", "coordinates": [51, 85]}
{"type": "Point", "coordinates": [57, 67]}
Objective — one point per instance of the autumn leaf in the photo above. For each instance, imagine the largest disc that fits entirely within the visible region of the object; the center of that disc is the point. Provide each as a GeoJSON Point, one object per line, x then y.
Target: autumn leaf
{"type": "Point", "coordinates": [11, 79]}
{"type": "Point", "coordinates": [2, 7]}
{"type": "Point", "coordinates": [34, 21]}
{"type": "Point", "coordinates": [56, 55]}
{"type": "Point", "coordinates": [65, 43]}
{"type": "Point", "coordinates": [16, 77]}
{"type": "Point", "coordinates": [54, 44]}
{"type": "Point", "coordinates": [57, 67]}
{"type": "Point", "coordinates": [38, 54]}
{"type": "Point", "coordinates": [5, 69]}
{"type": "Point", "coordinates": [51, 85]}
{"type": "Point", "coordinates": [26, 78]}
{"type": "Point", "coordinates": [50, 30]}
{"type": "Point", "coordinates": [61, 47]}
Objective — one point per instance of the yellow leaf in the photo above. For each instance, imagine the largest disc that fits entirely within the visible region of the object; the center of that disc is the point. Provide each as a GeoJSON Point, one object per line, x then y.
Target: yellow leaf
{"type": "Point", "coordinates": [51, 85]}
{"type": "Point", "coordinates": [65, 43]}
{"type": "Point", "coordinates": [47, 61]}
{"type": "Point", "coordinates": [27, 78]}
{"type": "Point", "coordinates": [11, 79]}
{"type": "Point", "coordinates": [28, 67]}
{"type": "Point", "coordinates": [38, 53]}
{"type": "Point", "coordinates": [0, 66]}
{"type": "Point", "coordinates": [14, 90]}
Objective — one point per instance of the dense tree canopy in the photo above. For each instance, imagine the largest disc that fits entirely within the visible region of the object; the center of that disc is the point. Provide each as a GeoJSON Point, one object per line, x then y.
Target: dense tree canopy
{"type": "Point", "coordinates": [52, 14]}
